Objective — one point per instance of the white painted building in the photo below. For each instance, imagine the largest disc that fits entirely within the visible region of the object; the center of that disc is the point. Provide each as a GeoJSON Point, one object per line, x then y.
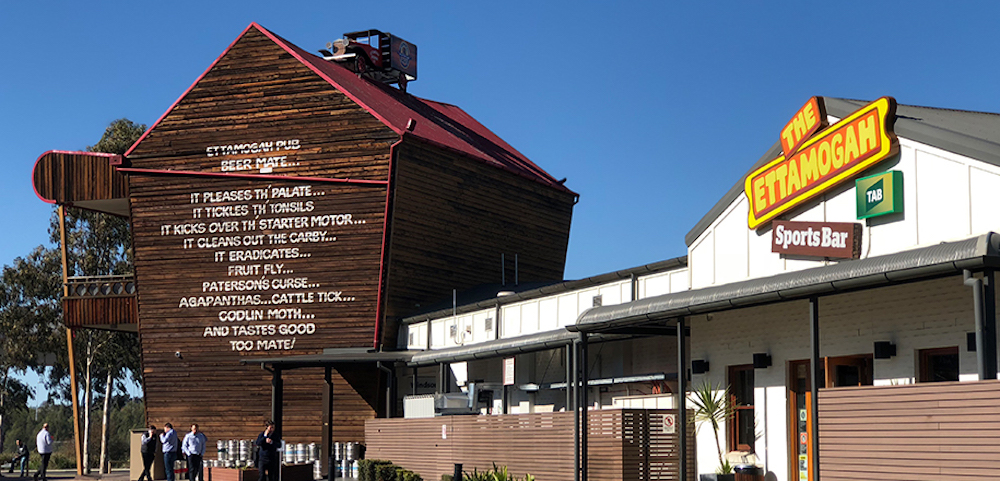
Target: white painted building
{"type": "Point", "coordinates": [898, 312]}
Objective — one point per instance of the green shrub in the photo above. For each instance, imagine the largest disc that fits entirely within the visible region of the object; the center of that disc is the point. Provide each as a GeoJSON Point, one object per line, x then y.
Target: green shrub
{"type": "Point", "coordinates": [446, 477]}
{"type": "Point", "coordinates": [385, 472]}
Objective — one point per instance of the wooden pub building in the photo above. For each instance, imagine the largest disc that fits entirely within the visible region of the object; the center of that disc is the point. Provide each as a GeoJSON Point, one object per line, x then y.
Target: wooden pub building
{"type": "Point", "coordinates": [286, 205]}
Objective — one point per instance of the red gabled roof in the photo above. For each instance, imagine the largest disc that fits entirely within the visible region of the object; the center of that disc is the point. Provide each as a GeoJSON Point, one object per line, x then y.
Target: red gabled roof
{"type": "Point", "coordinates": [437, 123]}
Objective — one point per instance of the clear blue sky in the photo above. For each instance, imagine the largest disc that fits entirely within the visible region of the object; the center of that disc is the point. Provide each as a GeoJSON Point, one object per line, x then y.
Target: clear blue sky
{"type": "Point", "coordinates": [652, 110]}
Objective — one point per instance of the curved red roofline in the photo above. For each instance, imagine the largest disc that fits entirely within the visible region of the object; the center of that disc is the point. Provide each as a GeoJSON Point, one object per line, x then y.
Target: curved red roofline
{"type": "Point", "coordinates": [72, 152]}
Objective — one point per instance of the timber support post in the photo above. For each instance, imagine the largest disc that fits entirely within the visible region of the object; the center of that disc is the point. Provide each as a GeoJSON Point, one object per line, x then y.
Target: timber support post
{"type": "Point", "coordinates": [69, 345]}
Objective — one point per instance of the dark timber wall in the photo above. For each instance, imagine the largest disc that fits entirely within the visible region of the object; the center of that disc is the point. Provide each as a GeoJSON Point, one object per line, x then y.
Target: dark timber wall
{"type": "Point", "coordinates": [285, 256]}
{"type": "Point", "coordinates": [257, 93]}
{"type": "Point", "coordinates": [454, 217]}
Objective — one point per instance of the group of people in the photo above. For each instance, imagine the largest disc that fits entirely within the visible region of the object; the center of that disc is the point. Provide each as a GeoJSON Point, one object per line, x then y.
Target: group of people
{"type": "Point", "coordinates": [43, 443]}
{"type": "Point", "coordinates": [193, 446]}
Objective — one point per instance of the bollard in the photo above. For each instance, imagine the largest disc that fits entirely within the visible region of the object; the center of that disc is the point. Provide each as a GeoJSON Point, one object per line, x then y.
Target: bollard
{"type": "Point", "coordinates": [457, 474]}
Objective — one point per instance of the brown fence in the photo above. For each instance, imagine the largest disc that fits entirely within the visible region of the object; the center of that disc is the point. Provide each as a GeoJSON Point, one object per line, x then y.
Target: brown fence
{"type": "Point", "coordinates": [935, 431]}
{"type": "Point", "coordinates": [624, 444]}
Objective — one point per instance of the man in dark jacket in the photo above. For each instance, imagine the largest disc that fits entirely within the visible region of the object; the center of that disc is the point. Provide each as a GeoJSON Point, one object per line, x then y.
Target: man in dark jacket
{"type": "Point", "coordinates": [23, 453]}
{"type": "Point", "coordinates": [267, 456]}
{"type": "Point", "coordinates": [148, 449]}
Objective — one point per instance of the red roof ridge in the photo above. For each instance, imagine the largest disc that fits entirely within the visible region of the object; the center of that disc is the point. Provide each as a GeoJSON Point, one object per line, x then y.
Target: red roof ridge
{"type": "Point", "coordinates": [438, 123]}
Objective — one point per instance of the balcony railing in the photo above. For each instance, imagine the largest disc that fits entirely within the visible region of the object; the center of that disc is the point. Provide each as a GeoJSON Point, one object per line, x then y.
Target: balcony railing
{"type": "Point", "coordinates": [100, 286]}
{"type": "Point", "coordinates": [102, 302]}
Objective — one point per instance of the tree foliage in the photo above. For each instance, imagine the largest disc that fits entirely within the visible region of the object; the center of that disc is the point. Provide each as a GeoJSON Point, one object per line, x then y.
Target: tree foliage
{"type": "Point", "coordinates": [30, 313]}
{"type": "Point", "coordinates": [97, 244]}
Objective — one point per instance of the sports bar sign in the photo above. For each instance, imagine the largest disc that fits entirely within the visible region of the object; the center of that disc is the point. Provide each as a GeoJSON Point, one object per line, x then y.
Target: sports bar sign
{"type": "Point", "coordinates": [838, 240]}
{"type": "Point", "coordinates": [817, 159]}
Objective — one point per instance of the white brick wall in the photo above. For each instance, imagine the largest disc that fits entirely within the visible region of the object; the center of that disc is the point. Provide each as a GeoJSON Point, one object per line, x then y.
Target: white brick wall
{"type": "Point", "coordinates": [922, 315]}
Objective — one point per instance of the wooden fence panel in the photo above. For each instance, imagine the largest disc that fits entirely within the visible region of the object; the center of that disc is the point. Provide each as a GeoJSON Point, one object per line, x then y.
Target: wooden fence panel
{"type": "Point", "coordinates": [917, 432]}
{"type": "Point", "coordinates": [629, 444]}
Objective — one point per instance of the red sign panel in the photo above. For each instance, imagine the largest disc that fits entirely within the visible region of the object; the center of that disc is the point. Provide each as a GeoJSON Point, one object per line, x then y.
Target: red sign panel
{"type": "Point", "coordinates": [840, 240]}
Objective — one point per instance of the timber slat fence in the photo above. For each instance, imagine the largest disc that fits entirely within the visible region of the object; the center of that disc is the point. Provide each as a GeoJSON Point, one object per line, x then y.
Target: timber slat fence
{"type": "Point", "coordinates": [624, 444]}
{"type": "Point", "coordinates": [933, 431]}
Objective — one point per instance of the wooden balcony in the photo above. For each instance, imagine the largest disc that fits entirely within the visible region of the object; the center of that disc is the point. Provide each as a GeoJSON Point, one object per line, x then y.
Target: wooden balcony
{"type": "Point", "coordinates": [101, 302]}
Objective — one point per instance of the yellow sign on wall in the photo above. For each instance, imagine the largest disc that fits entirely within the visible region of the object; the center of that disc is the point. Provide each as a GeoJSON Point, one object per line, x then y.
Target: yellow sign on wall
{"type": "Point", "coordinates": [828, 158]}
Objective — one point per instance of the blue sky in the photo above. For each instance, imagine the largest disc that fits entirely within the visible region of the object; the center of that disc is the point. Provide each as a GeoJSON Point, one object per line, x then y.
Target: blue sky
{"type": "Point", "coordinates": [652, 110]}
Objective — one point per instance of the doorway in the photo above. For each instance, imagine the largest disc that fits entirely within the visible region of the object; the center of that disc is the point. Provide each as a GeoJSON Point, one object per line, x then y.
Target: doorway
{"type": "Point", "coordinates": [838, 372]}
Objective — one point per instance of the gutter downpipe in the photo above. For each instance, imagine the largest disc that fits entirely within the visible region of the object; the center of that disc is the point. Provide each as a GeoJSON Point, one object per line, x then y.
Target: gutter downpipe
{"type": "Point", "coordinates": [389, 388]}
{"type": "Point", "coordinates": [985, 328]}
{"type": "Point", "coordinates": [382, 268]}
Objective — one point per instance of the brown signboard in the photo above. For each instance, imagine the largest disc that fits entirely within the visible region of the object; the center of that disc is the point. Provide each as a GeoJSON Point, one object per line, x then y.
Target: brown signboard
{"type": "Point", "coordinates": [840, 240]}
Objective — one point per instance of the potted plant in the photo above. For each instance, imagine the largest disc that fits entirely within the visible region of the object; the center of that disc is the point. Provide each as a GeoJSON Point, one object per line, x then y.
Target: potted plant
{"type": "Point", "coordinates": [712, 405]}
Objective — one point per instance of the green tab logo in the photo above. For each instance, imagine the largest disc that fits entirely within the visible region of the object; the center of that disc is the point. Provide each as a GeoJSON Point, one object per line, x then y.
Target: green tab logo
{"type": "Point", "coordinates": [873, 195]}
{"type": "Point", "coordinates": [880, 194]}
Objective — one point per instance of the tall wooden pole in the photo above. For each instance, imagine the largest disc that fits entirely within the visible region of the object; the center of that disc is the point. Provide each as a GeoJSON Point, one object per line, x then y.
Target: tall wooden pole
{"type": "Point", "coordinates": [69, 345]}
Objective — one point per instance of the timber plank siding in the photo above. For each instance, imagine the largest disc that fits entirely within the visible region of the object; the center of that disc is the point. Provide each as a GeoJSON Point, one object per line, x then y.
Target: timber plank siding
{"type": "Point", "coordinates": [927, 431]}
{"type": "Point", "coordinates": [453, 217]}
{"type": "Point", "coordinates": [258, 207]}
{"type": "Point", "coordinates": [257, 93]}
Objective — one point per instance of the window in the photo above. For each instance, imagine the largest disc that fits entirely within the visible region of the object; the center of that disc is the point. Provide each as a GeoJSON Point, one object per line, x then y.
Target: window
{"type": "Point", "coordinates": [742, 430]}
{"type": "Point", "coordinates": [939, 365]}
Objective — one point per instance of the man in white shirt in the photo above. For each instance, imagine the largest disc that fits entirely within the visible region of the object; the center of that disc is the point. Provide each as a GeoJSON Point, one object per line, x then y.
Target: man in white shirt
{"type": "Point", "coordinates": [43, 441]}
{"type": "Point", "coordinates": [194, 447]}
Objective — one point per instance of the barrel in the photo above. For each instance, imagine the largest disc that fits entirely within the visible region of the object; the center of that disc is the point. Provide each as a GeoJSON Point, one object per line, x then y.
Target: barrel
{"type": "Point", "coordinates": [352, 451]}
{"type": "Point", "coordinates": [300, 453]}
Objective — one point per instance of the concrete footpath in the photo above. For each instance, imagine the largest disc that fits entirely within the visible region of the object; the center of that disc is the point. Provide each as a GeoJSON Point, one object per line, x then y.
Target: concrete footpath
{"type": "Point", "coordinates": [67, 474]}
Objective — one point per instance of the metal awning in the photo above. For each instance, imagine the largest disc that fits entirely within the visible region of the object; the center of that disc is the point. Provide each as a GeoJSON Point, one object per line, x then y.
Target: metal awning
{"type": "Point", "coordinates": [947, 258]}
{"type": "Point", "coordinates": [333, 357]}
{"type": "Point", "coordinates": [503, 347]}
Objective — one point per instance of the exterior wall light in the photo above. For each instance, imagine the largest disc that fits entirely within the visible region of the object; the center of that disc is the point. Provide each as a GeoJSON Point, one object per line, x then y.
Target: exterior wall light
{"type": "Point", "coordinates": [699, 366]}
{"type": "Point", "coordinates": [761, 360]}
{"type": "Point", "coordinates": [884, 349]}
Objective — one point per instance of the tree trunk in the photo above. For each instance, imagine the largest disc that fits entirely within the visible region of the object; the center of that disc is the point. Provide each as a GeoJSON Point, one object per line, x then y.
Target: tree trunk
{"type": "Point", "coordinates": [104, 426]}
{"type": "Point", "coordinates": [3, 398]}
{"type": "Point", "coordinates": [87, 397]}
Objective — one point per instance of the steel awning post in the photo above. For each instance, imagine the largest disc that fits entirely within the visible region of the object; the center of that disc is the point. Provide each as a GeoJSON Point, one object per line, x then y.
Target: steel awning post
{"type": "Point", "coordinates": [573, 386]}
{"type": "Point", "coordinates": [817, 374]}
{"type": "Point", "coordinates": [681, 401]}
{"type": "Point", "coordinates": [584, 406]}
{"type": "Point", "coordinates": [327, 419]}
{"type": "Point", "coordinates": [277, 400]}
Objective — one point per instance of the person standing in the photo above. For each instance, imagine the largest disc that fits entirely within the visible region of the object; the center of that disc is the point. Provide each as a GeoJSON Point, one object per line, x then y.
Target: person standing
{"type": "Point", "coordinates": [43, 441]}
{"type": "Point", "coordinates": [168, 441]}
{"type": "Point", "coordinates": [267, 456]}
{"type": "Point", "coordinates": [194, 448]}
{"type": "Point", "coordinates": [148, 449]}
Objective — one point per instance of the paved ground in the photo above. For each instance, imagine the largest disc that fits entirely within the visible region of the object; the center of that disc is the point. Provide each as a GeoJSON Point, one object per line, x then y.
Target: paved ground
{"type": "Point", "coordinates": [70, 474]}
{"type": "Point", "coordinates": [67, 474]}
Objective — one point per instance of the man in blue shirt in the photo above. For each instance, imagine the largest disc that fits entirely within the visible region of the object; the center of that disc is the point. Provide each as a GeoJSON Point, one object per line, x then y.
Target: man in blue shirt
{"type": "Point", "coordinates": [168, 439]}
{"type": "Point", "coordinates": [194, 448]}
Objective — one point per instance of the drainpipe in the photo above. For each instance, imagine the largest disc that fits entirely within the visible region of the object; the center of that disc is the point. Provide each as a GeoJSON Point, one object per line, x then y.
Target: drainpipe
{"type": "Point", "coordinates": [386, 225]}
{"type": "Point", "coordinates": [390, 397]}
{"type": "Point", "coordinates": [986, 355]}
